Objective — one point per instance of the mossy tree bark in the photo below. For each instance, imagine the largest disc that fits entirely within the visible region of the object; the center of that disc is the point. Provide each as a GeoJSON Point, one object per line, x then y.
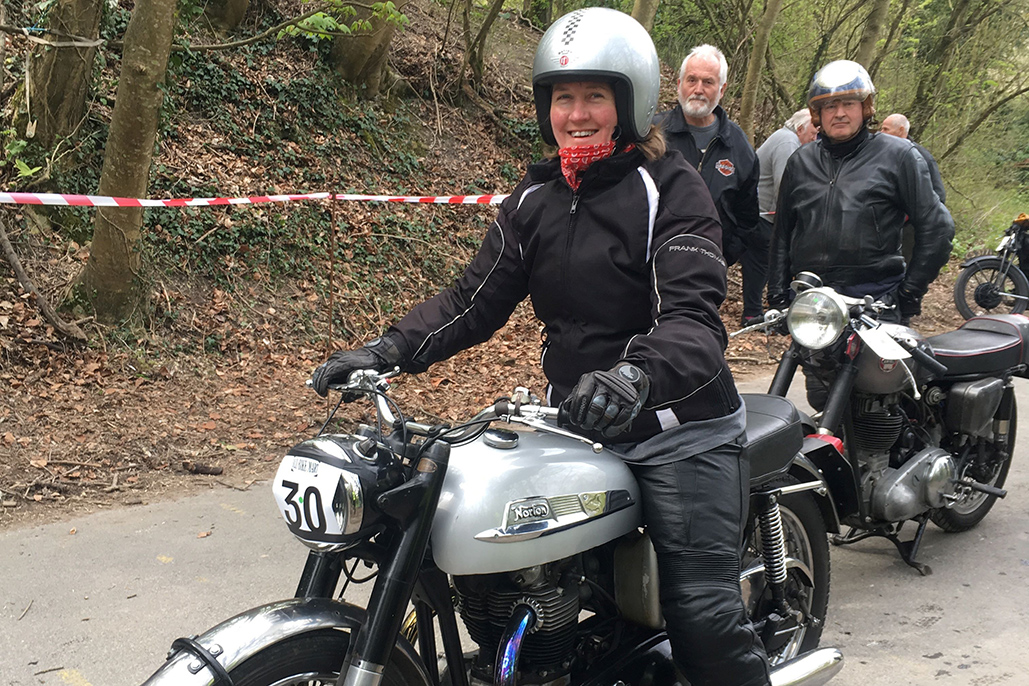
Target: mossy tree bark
{"type": "Point", "coordinates": [644, 11]}
{"type": "Point", "coordinates": [111, 278]}
{"type": "Point", "coordinates": [59, 78]}
{"type": "Point", "coordinates": [870, 32]}
{"type": "Point", "coordinates": [754, 65]}
{"type": "Point", "coordinates": [361, 58]}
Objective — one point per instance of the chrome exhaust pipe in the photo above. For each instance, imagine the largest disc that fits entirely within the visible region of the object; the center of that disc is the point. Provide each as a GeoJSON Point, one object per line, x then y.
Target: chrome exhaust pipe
{"type": "Point", "coordinates": [523, 621]}
{"type": "Point", "coordinates": [810, 669]}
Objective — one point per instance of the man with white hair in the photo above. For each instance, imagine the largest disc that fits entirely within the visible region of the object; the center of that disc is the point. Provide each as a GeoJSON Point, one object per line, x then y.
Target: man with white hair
{"type": "Point", "coordinates": [699, 128]}
{"type": "Point", "coordinates": [898, 125]}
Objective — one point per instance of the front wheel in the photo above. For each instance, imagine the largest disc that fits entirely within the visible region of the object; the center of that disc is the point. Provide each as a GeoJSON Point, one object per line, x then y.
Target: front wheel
{"type": "Point", "coordinates": [983, 287]}
{"type": "Point", "coordinates": [314, 659]}
{"type": "Point", "coordinates": [807, 551]}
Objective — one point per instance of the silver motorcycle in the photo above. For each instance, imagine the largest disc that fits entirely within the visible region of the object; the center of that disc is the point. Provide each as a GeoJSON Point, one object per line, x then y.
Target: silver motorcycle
{"type": "Point", "coordinates": [913, 428]}
{"type": "Point", "coordinates": [527, 532]}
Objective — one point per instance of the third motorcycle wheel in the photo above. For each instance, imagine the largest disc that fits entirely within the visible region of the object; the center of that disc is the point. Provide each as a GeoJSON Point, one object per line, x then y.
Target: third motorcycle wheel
{"type": "Point", "coordinates": [970, 511]}
{"type": "Point", "coordinates": [979, 289]}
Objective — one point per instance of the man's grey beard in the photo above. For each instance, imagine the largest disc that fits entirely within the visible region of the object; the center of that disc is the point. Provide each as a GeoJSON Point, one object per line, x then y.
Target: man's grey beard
{"type": "Point", "coordinates": [698, 109]}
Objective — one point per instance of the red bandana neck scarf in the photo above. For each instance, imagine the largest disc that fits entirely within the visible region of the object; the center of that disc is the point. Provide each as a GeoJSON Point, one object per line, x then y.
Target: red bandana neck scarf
{"type": "Point", "coordinates": [576, 159]}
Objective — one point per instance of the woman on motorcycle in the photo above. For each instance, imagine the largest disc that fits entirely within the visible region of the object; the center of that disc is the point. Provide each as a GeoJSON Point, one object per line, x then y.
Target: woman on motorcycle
{"type": "Point", "coordinates": [619, 246]}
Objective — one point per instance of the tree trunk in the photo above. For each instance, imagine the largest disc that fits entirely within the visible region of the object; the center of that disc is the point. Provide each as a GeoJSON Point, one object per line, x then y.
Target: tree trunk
{"type": "Point", "coordinates": [873, 68]}
{"type": "Point", "coordinates": [225, 15]}
{"type": "Point", "coordinates": [870, 34]}
{"type": "Point", "coordinates": [644, 11]}
{"type": "Point", "coordinates": [111, 277]}
{"type": "Point", "coordinates": [754, 64]}
{"type": "Point", "coordinates": [938, 60]}
{"type": "Point", "coordinates": [475, 48]}
{"type": "Point", "coordinates": [59, 77]}
{"type": "Point", "coordinates": [361, 58]}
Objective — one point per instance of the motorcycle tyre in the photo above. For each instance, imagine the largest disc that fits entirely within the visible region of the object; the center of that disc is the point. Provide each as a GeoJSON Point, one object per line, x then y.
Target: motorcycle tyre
{"type": "Point", "coordinates": [955, 522]}
{"type": "Point", "coordinates": [314, 658]}
{"type": "Point", "coordinates": [1015, 275]}
{"type": "Point", "coordinates": [804, 510]}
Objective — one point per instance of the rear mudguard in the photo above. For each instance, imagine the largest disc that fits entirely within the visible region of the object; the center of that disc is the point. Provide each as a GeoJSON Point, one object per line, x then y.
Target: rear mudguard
{"type": "Point", "coordinates": [240, 638]}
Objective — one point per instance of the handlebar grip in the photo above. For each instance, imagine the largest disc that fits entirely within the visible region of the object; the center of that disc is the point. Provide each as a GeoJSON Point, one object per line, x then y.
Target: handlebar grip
{"type": "Point", "coordinates": [563, 419]}
{"type": "Point", "coordinates": [925, 359]}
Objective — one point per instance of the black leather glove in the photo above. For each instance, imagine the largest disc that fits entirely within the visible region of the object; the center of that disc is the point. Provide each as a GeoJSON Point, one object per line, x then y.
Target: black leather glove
{"type": "Point", "coordinates": [380, 354]}
{"type": "Point", "coordinates": [908, 303]}
{"type": "Point", "coordinates": [607, 402]}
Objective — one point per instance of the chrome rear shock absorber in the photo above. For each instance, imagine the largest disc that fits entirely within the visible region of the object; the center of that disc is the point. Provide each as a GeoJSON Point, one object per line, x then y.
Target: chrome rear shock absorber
{"type": "Point", "coordinates": [773, 547]}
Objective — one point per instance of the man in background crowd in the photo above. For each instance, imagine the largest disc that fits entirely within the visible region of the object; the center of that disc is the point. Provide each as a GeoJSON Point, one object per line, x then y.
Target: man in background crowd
{"type": "Point", "coordinates": [772, 156]}
{"type": "Point", "coordinates": [699, 128]}
{"type": "Point", "coordinates": [898, 125]}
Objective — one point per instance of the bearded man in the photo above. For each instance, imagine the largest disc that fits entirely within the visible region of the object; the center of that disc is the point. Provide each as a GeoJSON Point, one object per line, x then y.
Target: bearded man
{"type": "Point", "coordinates": [699, 128]}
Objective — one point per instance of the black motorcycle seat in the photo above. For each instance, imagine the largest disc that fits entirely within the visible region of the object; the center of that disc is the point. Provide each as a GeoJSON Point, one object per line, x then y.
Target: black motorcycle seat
{"type": "Point", "coordinates": [774, 434]}
{"type": "Point", "coordinates": [983, 345]}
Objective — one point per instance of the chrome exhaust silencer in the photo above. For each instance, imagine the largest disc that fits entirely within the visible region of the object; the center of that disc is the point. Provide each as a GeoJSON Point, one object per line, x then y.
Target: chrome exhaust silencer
{"type": "Point", "coordinates": [810, 669]}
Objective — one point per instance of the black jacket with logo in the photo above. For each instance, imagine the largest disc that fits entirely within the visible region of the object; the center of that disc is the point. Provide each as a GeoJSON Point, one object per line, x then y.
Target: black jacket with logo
{"type": "Point", "coordinates": [629, 268]}
{"type": "Point", "coordinates": [842, 218]}
{"type": "Point", "coordinates": [729, 167]}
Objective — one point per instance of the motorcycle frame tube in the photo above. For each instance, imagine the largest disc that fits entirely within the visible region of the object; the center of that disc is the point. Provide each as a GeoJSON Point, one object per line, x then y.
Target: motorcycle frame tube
{"type": "Point", "coordinates": [247, 634]}
{"type": "Point", "coordinates": [393, 588]}
{"type": "Point", "coordinates": [433, 590]}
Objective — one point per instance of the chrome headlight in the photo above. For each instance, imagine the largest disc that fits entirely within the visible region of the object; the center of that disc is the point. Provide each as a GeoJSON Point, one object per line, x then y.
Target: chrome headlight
{"type": "Point", "coordinates": [1005, 242]}
{"type": "Point", "coordinates": [319, 494]}
{"type": "Point", "coordinates": [816, 318]}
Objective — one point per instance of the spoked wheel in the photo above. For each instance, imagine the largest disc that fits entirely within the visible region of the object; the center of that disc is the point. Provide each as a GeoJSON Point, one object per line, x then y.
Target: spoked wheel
{"type": "Point", "coordinates": [314, 659]}
{"type": "Point", "coordinates": [984, 288]}
{"type": "Point", "coordinates": [807, 584]}
{"type": "Point", "coordinates": [991, 470]}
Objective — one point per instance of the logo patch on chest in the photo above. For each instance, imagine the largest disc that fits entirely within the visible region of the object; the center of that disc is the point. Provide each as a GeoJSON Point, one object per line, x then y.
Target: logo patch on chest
{"type": "Point", "coordinates": [725, 167]}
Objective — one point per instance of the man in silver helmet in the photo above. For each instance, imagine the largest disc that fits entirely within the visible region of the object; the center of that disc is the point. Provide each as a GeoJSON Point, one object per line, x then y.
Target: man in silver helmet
{"type": "Point", "coordinates": [843, 203]}
{"type": "Point", "coordinates": [618, 244]}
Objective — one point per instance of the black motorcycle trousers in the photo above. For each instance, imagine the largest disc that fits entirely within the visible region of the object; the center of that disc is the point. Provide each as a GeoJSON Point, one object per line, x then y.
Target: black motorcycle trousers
{"type": "Point", "coordinates": [695, 511]}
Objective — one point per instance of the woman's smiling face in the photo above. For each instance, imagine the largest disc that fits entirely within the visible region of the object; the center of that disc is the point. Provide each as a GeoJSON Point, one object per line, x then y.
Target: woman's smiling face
{"type": "Point", "coordinates": [583, 113]}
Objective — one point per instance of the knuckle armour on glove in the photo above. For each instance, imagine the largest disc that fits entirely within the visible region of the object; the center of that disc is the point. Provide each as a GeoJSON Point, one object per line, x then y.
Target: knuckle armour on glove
{"type": "Point", "coordinates": [607, 402]}
{"type": "Point", "coordinates": [379, 354]}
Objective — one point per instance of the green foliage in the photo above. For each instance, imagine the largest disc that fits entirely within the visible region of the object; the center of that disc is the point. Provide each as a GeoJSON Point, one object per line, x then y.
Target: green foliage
{"type": "Point", "coordinates": [325, 25]}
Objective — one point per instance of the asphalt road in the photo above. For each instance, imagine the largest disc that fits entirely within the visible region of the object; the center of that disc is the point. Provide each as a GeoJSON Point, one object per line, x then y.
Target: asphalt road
{"type": "Point", "coordinates": [97, 600]}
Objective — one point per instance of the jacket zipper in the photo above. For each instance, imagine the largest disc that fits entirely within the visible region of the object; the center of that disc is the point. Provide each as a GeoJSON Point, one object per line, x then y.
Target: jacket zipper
{"type": "Point", "coordinates": [836, 167]}
{"type": "Point", "coordinates": [568, 242]}
{"type": "Point", "coordinates": [703, 156]}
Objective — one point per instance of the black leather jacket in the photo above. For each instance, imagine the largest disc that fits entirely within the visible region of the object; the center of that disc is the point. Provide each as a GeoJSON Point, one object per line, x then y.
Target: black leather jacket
{"type": "Point", "coordinates": [842, 218]}
{"type": "Point", "coordinates": [628, 268]}
{"type": "Point", "coordinates": [729, 167]}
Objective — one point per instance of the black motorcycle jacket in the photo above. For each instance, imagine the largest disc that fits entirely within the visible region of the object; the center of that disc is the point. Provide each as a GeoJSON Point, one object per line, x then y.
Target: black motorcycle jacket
{"type": "Point", "coordinates": [843, 218]}
{"type": "Point", "coordinates": [620, 270]}
{"type": "Point", "coordinates": [729, 167]}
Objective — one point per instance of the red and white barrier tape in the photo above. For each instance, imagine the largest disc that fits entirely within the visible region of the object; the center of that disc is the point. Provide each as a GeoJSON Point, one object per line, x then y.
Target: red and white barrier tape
{"type": "Point", "coordinates": [107, 201]}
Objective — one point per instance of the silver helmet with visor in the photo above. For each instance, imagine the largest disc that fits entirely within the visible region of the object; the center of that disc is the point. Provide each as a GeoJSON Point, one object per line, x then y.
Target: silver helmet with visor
{"type": "Point", "coordinates": [840, 80]}
{"type": "Point", "coordinates": [599, 44]}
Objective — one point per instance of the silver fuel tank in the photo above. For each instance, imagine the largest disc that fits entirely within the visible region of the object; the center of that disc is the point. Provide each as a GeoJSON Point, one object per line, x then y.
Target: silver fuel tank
{"type": "Point", "coordinates": [514, 499]}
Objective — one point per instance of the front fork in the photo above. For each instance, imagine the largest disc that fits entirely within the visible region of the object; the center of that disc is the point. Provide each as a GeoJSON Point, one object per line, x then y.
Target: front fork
{"type": "Point", "coordinates": [414, 504]}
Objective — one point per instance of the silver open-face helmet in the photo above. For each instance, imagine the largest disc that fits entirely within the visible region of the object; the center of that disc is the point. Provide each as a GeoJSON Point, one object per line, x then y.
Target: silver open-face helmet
{"type": "Point", "coordinates": [599, 44]}
{"type": "Point", "coordinates": [840, 80]}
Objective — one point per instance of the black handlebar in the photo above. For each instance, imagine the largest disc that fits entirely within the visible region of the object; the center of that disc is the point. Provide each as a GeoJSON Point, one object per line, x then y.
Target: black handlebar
{"type": "Point", "coordinates": [925, 359]}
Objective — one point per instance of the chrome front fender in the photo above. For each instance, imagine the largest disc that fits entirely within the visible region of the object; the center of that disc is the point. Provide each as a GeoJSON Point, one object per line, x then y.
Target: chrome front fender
{"type": "Point", "coordinates": [240, 638]}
